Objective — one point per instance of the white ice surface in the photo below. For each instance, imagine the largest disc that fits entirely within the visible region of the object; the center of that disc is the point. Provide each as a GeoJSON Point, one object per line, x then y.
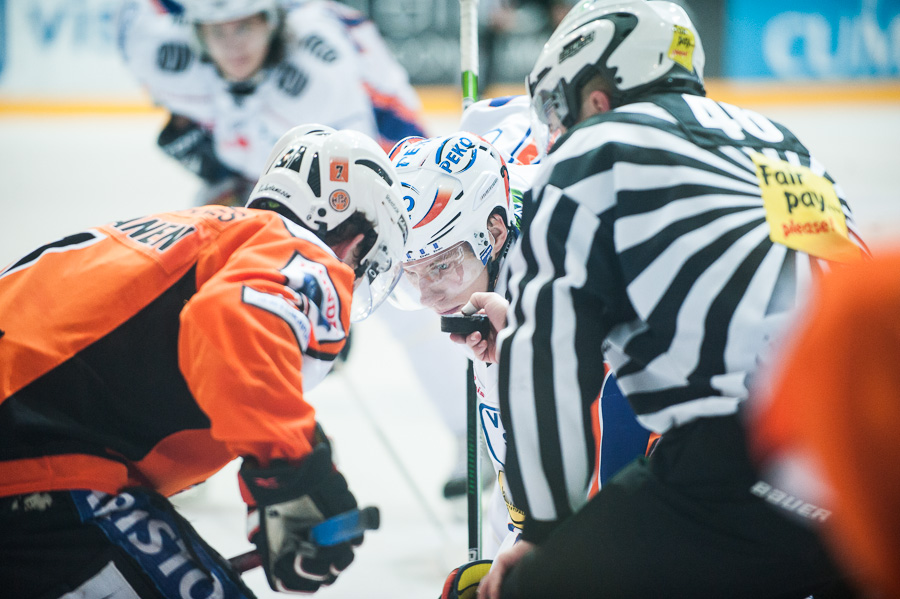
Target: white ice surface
{"type": "Point", "coordinates": [60, 175]}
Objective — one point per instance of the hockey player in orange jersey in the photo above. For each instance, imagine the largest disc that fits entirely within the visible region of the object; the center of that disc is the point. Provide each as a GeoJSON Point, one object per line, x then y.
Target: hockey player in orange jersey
{"type": "Point", "coordinates": [139, 357]}
{"type": "Point", "coordinates": [824, 424]}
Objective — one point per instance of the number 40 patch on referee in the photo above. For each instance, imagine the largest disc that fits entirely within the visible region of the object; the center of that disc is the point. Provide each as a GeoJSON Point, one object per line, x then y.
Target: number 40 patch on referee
{"type": "Point", "coordinates": [803, 210]}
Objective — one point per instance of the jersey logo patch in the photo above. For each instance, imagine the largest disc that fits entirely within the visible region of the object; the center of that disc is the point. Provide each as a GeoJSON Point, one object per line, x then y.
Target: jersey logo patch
{"type": "Point", "coordinates": [803, 210]}
{"type": "Point", "coordinates": [291, 80]}
{"type": "Point", "coordinates": [319, 48]}
{"type": "Point", "coordinates": [174, 57]}
{"type": "Point", "coordinates": [339, 200]}
{"type": "Point", "coordinates": [494, 433]}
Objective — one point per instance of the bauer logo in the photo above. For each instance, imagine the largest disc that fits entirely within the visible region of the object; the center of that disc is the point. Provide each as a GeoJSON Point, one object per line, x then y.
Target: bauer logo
{"type": "Point", "coordinates": [573, 47]}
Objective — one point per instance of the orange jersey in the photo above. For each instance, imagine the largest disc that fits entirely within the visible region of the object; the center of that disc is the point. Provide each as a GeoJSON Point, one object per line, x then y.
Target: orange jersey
{"type": "Point", "coordinates": [155, 350]}
{"type": "Point", "coordinates": [832, 403]}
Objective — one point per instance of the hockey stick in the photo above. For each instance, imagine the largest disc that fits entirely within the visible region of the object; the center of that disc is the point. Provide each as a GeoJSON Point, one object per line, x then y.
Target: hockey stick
{"type": "Point", "coordinates": [473, 466]}
{"type": "Point", "coordinates": [468, 50]}
{"type": "Point", "coordinates": [468, 62]}
{"type": "Point", "coordinates": [337, 529]}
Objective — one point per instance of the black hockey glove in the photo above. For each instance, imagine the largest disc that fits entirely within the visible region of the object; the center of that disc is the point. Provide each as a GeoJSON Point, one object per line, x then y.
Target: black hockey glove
{"type": "Point", "coordinates": [290, 501]}
{"type": "Point", "coordinates": [188, 143]}
{"type": "Point", "coordinates": [462, 583]}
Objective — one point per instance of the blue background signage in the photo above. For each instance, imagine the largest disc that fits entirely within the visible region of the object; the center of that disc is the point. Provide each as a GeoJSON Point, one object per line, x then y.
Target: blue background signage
{"type": "Point", "coordinates": [812, 39]}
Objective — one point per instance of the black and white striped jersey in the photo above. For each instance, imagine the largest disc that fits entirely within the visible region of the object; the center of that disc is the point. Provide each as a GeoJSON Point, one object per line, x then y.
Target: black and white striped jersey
{"type": "Point", "coordinates": [677, 236]}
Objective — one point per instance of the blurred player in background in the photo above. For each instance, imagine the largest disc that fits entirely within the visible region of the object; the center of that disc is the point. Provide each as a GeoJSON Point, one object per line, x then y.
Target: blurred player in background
{"type": "Point", "coordinates": [235, 74]}
{"type": "Point", "coordinates": [675, 237]}
{"type": "Point", "coordinates": [139, 357]}
{"type": "Point", "coordinates": [823, 422]}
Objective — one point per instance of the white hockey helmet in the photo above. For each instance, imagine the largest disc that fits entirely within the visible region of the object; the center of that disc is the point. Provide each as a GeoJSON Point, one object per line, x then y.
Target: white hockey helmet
{"type": "Point", "coordinates": [320, 177]}
{"type": "Point", "coordinates": [634, 45]}
{"type": "Point", "coordinates": [451, 186]}
{"type": "Point", "coordinates": [221, 11]}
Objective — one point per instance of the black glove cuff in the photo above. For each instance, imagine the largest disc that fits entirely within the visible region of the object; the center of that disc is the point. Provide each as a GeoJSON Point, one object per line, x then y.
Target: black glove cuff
{"type": "Point", "coordinates": [282, 482]}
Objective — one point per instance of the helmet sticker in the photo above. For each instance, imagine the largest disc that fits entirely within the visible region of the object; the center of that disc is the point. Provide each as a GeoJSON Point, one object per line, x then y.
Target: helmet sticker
{"type": "Point", "coordinates": [339, 200]}
{"type": "Point", "coordinates": [338, 170]}
{"type": "Point", "coordinates": [572, 48]}
{"type": "Point", "coordinates": [682, 48]}
{"type": "Point", "coordinates": [450, 156]}
{"type": "Point", "coordinates": [441, 199]}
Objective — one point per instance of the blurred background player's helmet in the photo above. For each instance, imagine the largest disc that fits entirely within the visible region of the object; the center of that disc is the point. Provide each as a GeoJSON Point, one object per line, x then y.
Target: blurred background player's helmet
{"type": "Point", "coordinates": [320, 178]}
{"type": "Point", "coordinates": [635, 46]}
{"type": "Point", "coordinates": [199, 12]}
{"type": "Point", "coordinates": [221, 11]}
{"type": "Point", "coordinates": [450, 186]}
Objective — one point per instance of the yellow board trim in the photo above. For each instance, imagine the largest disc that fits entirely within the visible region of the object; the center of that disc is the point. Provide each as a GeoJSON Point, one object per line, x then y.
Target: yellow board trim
{"type": "Point", "coordinates": [447, 99]}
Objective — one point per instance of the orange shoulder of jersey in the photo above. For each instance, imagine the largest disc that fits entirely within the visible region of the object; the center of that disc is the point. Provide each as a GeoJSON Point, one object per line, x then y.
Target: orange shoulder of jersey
{"type": "Point", "coordinates": [241, 359]}
{"type": "Point", "coordinates": [832, 403]}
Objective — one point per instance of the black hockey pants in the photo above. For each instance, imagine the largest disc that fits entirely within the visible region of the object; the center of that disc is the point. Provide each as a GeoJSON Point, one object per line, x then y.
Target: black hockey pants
{"type": "Point", "coordinates": [681, 524]}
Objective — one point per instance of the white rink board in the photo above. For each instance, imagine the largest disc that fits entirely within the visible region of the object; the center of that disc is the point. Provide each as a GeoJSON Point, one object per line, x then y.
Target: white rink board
{"type": "Point", "coordinates": [60, 175]}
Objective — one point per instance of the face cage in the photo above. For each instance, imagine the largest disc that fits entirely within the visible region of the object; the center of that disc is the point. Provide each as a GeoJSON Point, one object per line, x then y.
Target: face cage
{"type": "Point", "coordinates": [408, 293]}
{"type": "Point", "coordinates": [375, 285]}
{"type": "Point", "coordinates": [549, 110]}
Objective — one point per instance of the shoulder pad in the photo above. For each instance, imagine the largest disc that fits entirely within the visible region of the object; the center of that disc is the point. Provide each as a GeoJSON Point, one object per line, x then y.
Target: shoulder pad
{"type": "Point", "coordinates": [318, 47]}
{"type": "Point", "coordinates": [174, 57]}
{"type": "Point", "coordinates": [291, 80]}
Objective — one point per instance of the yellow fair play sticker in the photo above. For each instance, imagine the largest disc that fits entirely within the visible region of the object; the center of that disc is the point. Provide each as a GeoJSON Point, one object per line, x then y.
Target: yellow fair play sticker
{"type": "Point", "coordinates": [682, 48]}
{"type": "Point", "coordinates": [803, 210]}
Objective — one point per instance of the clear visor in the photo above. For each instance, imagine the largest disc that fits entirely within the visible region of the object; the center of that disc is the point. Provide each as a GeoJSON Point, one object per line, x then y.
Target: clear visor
{"type": "Point", "coordinates": [375, 285]}
{"type": "Point", "coordinates": [548, 111]}
{"type": "Point", "coordinates": [436, 281]}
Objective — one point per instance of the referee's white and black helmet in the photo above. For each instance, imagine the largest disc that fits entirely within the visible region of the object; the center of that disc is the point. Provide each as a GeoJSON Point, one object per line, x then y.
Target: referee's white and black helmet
{"type": "Point", "coordinates": [635, 46]}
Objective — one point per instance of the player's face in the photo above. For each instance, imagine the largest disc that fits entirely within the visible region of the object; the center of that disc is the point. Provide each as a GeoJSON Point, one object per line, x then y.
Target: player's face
{"type": "Point", "coordinates": [237, 47]}
{"type": "Point", "coordinates": [446, 281]}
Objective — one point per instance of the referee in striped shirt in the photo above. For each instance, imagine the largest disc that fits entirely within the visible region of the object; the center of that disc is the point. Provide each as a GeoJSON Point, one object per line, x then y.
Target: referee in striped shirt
{"type": "Point", "coordinates": [676, 236]}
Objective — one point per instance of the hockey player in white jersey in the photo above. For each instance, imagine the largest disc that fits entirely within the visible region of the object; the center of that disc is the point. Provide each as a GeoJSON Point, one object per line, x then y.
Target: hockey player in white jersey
{"type": "Point", "coordinates": [462, 222]}
{"type": "Point", "coordinates": [464, 202]}
{"type": "Point", "coordinates": [236, 74]}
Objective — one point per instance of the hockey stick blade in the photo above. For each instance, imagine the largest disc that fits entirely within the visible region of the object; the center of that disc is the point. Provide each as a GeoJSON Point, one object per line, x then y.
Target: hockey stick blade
{"type": "Point", "coordinates": [337, 529]}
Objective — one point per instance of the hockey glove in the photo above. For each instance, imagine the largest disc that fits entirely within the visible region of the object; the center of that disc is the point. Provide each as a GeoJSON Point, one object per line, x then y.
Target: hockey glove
{"type": "Point", "coordinates": [462, 583]}
{"type": "Point", "coordinates": [290, 500]}
{"type": "Point", "coordinates": [188, 143]}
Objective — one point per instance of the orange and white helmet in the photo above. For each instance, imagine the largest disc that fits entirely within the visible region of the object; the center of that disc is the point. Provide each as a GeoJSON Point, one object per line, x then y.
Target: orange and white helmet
{"type": "Point", "coordinates": [319, 178]}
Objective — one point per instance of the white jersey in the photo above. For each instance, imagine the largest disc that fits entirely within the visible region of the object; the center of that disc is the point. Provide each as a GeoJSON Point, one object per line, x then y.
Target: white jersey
{"type": "Point", "coordinates": [504, 123]}
{"type": "Point", "coordinates": [336, 72]}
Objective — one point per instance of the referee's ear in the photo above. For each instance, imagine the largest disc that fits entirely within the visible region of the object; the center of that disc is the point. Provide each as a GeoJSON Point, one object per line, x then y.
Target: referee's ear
{"type": "Point", "coordinates": [594, 102]}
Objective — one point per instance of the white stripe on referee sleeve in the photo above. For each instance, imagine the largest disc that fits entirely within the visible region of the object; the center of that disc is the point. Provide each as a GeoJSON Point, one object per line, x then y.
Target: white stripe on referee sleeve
{"type": "Point", "coordinates": [745, 329]}
{"type": "Point", "coordinates": [566, 388]}
{"type": "Point", "coordinates": [649, 287]}
{"type": "Point", "coordinates": [523, 414]}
